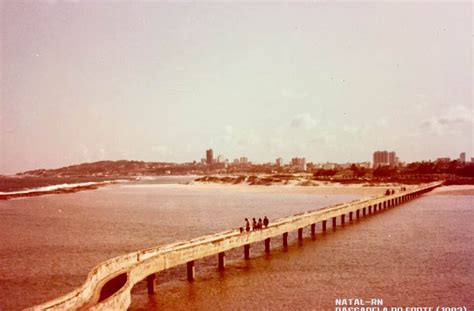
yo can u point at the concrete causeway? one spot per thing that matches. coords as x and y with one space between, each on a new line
108 286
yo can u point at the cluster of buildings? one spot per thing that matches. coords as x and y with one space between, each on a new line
382 158
461 159
296 164
210 160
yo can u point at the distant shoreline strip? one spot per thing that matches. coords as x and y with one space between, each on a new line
55 189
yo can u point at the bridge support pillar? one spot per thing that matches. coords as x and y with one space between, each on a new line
363 211
343 219
334 222
267 245
313 232
300 234
324 225
247 251
190 270
380 206
150 283
221 261
285 240
350 216
358 213
370 209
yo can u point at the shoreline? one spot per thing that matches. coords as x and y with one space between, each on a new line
273 183
300 180
68 188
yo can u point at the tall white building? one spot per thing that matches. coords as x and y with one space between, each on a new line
385 158
244 160
279 162
299 163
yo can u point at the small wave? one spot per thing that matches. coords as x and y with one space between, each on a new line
56 187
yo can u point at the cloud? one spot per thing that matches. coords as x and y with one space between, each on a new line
303 120
162 151
357 130
323 137
90 155
290 94
233 142
453 120
382 121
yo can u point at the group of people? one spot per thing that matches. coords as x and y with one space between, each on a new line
389 192
256 225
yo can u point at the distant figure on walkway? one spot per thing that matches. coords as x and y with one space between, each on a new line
265 221
260 224
393 191
254 224
247 225
387 192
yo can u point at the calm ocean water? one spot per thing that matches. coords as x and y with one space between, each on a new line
418 254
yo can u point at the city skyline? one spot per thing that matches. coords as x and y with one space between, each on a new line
380 159
83 82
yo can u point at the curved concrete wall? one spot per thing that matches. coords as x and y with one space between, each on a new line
138 265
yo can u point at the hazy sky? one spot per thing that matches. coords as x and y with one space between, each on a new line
156 81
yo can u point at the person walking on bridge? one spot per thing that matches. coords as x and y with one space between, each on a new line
247 225
254 224
265 221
